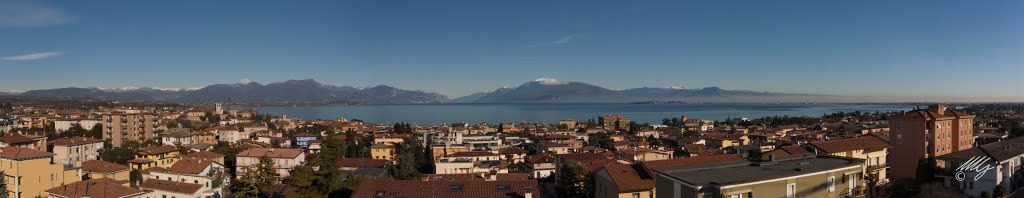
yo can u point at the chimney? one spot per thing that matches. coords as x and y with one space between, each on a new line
528 193
938 108
494 177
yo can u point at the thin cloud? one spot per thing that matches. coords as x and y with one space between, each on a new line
561 41
36 56
28 14
245 81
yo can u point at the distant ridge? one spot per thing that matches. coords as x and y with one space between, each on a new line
291 91
549 90
309 91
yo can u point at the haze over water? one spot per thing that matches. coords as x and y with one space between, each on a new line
551 113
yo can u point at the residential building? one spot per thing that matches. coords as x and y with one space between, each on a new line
637 180
284 159
194 171
873 150
207 155
1005 159
540 166
383 151
23 141
75 149
62 125
789 177
302 139
614 122
177 138
154 156
122 127
29 172
926 133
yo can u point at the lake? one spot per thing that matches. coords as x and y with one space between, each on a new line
551 113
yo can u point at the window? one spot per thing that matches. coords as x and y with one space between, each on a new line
831 182
636 195
790 190
736 196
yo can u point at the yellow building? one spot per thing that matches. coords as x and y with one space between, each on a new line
29 173
156 156
870 148
35 120
382 151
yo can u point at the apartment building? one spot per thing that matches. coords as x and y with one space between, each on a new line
789 177
873 150
383 151
123 127
154 156
1004 157
926 133
637 180
193 171
75 149
284 159
29 172
614 122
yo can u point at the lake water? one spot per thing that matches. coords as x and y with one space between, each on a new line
551 113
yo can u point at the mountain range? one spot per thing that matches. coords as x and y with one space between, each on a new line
544 90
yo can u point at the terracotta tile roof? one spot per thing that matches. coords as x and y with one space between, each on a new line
794 150
190 166
22 153
271 152
473 154
153 150
15 139
95 188
100 166
560 137
370 187
361 162
305 135
72 141
511 150
204 155
691 161
477 177
180 134
581 157
537 159
868 143
171 186
628 178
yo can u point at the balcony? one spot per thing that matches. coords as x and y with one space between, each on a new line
859 192
874 167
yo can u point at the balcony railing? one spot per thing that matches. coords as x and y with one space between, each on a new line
859 192
877 166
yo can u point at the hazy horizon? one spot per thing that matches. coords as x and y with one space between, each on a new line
868 51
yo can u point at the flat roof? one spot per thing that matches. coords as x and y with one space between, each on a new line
745 172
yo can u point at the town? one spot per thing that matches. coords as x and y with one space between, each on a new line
110 149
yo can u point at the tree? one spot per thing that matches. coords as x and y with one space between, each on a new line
573 179
926 170
871 179
3 186
96 131
258 181
998 191
119 155
135 177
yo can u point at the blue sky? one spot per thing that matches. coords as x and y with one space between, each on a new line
857 48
